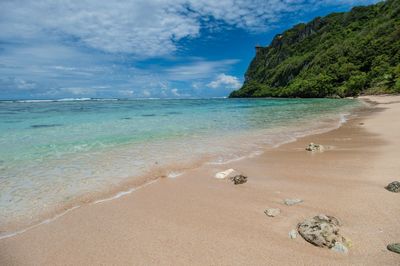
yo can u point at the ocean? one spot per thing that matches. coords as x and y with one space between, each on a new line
55 153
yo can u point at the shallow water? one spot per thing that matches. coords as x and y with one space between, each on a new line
53 152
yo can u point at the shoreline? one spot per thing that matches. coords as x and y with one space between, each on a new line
202 215
133 183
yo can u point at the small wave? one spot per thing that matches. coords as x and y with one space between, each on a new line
105 99
33 101
289 140
343 118
123 193
174 174
73 99
116 196
11 234
47 221
222 161
67 100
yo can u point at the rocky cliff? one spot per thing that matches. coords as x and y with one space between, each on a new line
342 54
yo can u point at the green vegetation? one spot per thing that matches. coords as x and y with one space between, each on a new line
342 54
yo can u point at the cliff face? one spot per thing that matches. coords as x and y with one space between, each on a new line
342 54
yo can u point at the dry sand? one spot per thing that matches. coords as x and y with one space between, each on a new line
196 219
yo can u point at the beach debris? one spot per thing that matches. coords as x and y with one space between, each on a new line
227 173
293 234
314 147
323 231
272 212
394 187
395 247
291 202
239 179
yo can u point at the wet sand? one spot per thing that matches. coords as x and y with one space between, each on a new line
199 220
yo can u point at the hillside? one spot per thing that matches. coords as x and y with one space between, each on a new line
342 54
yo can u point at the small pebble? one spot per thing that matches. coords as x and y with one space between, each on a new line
290 202
339 247
293 234
272 212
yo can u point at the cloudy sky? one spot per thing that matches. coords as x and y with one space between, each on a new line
139 48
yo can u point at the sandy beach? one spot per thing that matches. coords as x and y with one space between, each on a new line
196 219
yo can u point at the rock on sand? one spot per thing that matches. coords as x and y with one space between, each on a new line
395 247
314 147
272 212
238 179
394 187
293 234
290 202
323 231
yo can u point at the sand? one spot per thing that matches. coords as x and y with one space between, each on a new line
196 219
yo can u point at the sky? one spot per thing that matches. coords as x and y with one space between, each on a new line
140 48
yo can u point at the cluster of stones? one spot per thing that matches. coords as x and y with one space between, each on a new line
321 230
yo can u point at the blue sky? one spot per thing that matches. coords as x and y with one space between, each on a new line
139 48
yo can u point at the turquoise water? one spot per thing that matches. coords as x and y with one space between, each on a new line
53 152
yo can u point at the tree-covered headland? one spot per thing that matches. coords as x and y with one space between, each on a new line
342 54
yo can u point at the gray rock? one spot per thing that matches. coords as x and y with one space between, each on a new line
395 247
272 212
239 179
293 234
340 248
314 147
394 187
291 202
321 231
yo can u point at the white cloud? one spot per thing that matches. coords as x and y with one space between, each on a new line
198 69
175 92
144 28
225 81
196 85
126 93
146 93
